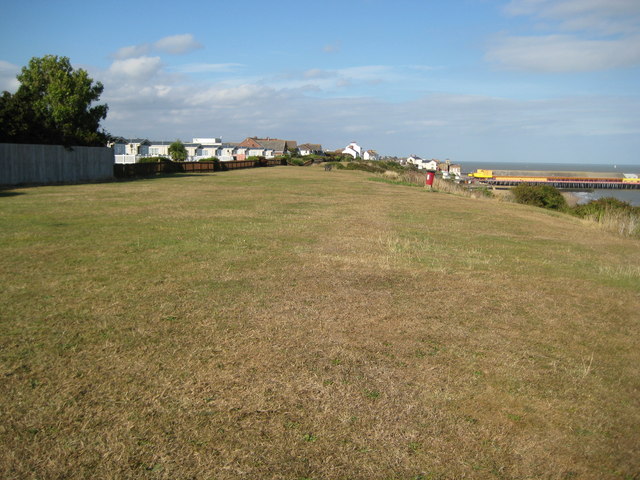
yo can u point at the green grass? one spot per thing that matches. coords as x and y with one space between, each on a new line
295 323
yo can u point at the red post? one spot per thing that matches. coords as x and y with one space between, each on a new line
428 181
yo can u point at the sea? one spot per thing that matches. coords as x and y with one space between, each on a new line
630 196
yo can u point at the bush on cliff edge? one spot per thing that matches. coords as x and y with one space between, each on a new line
544 196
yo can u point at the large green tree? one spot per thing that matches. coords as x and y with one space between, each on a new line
53 105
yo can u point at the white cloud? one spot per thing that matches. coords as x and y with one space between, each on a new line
177 44
174 45
608 16
8 72
582 35
208 67
318 73
564 53
132 51
137 69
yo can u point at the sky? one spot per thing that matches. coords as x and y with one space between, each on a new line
465 80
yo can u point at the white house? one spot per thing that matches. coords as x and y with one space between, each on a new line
159 148
421 163
260 152
129 150
371 155
192 150
353 149
310 149
227 153
207 151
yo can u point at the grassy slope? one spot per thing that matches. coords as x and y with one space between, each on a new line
291 323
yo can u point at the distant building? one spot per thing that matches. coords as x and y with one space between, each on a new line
310 149
421 163
353 149
208 141
278 146
371 155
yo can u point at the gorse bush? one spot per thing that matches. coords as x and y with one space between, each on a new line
215 160
545 196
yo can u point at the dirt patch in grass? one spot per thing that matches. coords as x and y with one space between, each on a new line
292 323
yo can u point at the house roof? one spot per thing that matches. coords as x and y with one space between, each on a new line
273 144
310 146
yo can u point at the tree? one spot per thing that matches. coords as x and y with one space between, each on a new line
177 151
53 106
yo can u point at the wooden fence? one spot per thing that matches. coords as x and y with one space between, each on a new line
146 169
50 164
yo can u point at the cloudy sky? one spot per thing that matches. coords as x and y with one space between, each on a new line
469 80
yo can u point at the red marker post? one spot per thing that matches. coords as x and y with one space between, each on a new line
428 181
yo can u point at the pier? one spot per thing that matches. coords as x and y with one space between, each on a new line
562 180
576 185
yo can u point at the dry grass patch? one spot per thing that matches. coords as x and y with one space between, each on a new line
291 323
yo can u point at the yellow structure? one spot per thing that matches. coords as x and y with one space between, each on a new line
481 173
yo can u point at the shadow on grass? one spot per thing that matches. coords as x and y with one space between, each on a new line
4 193
164 175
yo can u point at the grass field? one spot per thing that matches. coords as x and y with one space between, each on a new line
291 323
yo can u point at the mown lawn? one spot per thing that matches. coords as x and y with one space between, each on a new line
292 323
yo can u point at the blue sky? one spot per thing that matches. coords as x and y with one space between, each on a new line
469 80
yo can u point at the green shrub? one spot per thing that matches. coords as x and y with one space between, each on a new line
215 160
602 206
151 159
545 196
337 165
393 166
297 161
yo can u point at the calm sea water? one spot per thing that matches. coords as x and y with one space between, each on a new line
631 196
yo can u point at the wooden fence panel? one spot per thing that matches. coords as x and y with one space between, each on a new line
50 164
145 169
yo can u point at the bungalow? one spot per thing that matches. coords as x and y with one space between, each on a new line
278 146
310 149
